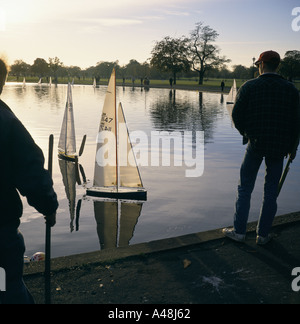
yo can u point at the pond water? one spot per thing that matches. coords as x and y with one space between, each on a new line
176 204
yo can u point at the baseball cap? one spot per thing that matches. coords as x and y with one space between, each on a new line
269 56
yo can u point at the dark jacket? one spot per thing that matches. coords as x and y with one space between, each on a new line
21 170
267 113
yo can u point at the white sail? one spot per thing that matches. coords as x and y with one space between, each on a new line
128 169
232 94
50 82
116 171
95 83
106 175
40 81
24 83
67 141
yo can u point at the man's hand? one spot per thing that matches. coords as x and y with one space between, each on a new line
51 220
293 155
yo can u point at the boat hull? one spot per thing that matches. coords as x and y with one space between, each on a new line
118 193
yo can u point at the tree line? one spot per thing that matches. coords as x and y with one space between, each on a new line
195 56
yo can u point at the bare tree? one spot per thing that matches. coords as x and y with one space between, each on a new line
203 54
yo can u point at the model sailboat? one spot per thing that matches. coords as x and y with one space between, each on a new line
119 177
67 140
232 94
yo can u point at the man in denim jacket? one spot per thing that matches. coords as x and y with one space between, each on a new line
22 171
266 113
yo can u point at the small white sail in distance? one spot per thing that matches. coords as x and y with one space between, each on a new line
67 140
232 94
115 180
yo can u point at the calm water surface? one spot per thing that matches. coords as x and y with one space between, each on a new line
176 205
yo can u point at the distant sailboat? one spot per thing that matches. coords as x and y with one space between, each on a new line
50 82
118 178
24 83
67 140
40 81
232 94
95 83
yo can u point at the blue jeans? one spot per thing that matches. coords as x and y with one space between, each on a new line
249 171
12 250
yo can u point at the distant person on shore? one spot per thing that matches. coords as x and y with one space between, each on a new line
222 86
146 82
266 113
22 170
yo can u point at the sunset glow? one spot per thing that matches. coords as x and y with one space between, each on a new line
83 33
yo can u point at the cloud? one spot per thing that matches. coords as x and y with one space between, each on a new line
109 22
176 13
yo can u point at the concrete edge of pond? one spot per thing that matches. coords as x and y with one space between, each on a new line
111 255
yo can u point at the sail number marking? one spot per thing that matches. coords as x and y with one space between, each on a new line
105 121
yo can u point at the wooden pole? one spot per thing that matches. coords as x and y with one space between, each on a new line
48 234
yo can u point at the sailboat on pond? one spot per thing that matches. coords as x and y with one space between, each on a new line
232 94
67 140
116 172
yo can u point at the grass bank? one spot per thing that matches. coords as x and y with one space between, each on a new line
186 84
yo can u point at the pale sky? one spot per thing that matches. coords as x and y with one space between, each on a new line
85 32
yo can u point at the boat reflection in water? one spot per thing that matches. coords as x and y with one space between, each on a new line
116 221
70 175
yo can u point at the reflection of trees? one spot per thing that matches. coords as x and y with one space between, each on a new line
45 92
19 92
170 113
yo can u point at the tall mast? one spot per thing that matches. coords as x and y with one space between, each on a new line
117 135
